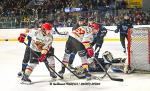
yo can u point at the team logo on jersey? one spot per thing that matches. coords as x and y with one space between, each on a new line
124 27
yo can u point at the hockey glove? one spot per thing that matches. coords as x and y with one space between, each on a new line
90 52
21 38
42 58
43 55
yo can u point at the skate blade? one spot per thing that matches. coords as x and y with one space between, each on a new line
19 76
26 83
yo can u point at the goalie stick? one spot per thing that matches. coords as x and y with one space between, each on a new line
106 73
45 62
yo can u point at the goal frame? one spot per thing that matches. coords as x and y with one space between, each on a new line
129 47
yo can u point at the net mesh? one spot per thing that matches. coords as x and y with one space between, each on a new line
139 49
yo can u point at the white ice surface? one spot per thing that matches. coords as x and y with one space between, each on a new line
11 55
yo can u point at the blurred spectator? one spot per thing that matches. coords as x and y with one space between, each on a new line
108 12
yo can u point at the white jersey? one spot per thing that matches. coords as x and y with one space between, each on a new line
37 36
82 34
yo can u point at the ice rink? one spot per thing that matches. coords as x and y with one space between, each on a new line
11 55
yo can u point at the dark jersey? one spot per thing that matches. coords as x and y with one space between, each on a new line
124 26
75 26
100 35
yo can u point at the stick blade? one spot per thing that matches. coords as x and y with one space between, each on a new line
117 79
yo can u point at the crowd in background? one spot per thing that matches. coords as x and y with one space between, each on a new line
21 13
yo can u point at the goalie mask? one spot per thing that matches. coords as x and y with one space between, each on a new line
107 56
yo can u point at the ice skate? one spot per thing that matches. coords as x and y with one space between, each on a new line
53 75
25 80
87 75
20 74
61 73
124 50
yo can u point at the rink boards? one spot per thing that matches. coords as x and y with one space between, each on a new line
12 34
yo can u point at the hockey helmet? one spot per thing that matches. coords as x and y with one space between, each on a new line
107 56
47 27
95 26
81 18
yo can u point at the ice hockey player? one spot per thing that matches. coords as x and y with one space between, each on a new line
99 39
27 50
81 22
106 61
79 40
41 45
90 21
123 28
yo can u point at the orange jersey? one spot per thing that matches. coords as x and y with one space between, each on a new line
82 34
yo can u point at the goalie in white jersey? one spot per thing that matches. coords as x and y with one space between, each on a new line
41 45
79 40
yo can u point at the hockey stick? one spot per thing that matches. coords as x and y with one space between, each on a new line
69 69
59 32
114 79
45 62
110 30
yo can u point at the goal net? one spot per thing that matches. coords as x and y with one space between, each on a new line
139 49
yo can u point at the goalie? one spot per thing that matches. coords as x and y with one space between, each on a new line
106 61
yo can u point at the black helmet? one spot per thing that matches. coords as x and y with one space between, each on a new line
81 18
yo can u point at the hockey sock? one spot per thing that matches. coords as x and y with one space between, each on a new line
29 69
72 56
24 65
66 59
